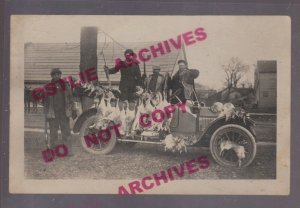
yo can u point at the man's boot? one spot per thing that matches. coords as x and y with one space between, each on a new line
69 145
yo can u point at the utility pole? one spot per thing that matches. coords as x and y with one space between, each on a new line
88 57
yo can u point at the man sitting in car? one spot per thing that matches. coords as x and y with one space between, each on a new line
182 83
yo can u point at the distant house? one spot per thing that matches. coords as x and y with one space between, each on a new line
243 97
265 85
41 57
204 94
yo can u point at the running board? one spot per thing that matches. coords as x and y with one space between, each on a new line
138 141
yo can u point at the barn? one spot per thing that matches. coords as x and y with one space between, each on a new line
41 57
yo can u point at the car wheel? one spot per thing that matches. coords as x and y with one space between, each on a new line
96 146
233 145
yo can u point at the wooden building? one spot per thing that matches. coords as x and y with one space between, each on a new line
265 85
41 57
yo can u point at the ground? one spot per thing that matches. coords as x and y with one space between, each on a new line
142 160
146 159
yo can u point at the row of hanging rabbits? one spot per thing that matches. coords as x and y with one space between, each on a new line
130 118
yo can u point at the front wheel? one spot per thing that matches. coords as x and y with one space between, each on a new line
233 145
94 144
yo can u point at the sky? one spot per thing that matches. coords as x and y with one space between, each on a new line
250 38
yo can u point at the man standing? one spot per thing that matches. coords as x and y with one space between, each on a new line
130 78
59 108
155 82
182 83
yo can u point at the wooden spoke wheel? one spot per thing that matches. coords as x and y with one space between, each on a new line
233 145
100 146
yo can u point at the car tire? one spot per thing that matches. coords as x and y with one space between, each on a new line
108 147
248 141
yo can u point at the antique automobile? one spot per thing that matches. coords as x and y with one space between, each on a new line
226 130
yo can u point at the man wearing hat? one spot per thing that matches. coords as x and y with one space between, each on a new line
182 83
130 77
155 82
59 108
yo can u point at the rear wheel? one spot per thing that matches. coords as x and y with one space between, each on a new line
97 146
233 145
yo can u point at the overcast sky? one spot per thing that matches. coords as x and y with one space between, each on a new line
249 38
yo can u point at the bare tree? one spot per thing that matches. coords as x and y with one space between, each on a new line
234 71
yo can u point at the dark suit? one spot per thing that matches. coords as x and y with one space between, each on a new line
130 79
58 109
183 81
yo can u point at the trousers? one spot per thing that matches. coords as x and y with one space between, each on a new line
61 121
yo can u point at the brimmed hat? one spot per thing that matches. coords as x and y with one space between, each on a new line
55 71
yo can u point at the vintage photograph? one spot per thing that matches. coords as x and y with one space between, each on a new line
150 104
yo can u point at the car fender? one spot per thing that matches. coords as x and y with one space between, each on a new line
88 113
214 125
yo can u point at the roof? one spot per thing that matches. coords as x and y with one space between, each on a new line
41 57
242 91
268 66
204 93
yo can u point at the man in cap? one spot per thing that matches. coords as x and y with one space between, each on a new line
182 83
59 108
155 82
130 77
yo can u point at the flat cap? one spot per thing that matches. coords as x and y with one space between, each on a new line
155 67
55 71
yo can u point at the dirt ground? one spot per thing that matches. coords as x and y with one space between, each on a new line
142 160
